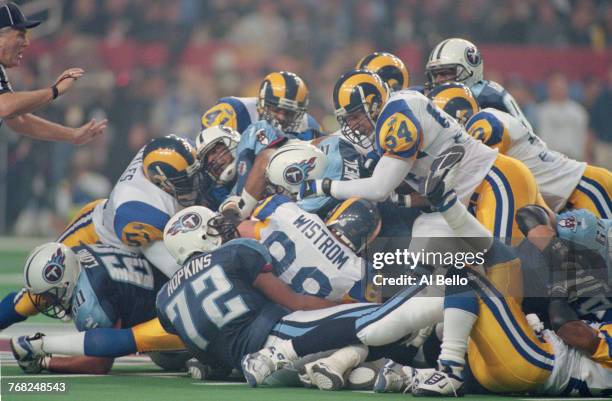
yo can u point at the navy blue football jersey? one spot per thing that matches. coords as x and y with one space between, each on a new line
212 306
113 285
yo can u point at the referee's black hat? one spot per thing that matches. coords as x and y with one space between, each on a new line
11 16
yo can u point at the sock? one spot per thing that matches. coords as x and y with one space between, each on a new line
467 227
347 358
96 342
8 314
70 344
331 334
460 314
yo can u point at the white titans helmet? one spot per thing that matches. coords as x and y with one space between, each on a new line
294 163
196 229
50 273
222 169
458 54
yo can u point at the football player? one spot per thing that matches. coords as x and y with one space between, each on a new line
92 285
409 132
163 177
282 101
458 60
504 353
563 182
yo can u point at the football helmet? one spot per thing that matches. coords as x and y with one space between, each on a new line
455 60
389 68
216 150
292 164
50 273
196 229
171 164
456 100
356 222
283 100
359 96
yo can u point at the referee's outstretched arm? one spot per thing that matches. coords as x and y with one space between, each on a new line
15 107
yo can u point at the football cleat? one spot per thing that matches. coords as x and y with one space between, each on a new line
363 376
447 381
197 370
394 378
259 365
326 377
305 374
28 352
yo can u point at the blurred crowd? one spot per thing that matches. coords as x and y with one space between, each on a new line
154 66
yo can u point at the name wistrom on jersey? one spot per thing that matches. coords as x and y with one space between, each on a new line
328 246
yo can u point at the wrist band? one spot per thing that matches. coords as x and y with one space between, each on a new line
55 92
326 186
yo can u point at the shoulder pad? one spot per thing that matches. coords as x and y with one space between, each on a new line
398 131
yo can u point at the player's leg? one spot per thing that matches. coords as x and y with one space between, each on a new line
593 192
398 318
508 186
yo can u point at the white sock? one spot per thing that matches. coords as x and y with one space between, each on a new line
70 344
458 325
467 227
347 358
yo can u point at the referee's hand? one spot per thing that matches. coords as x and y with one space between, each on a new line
89 131
67 78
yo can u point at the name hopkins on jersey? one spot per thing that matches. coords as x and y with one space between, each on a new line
314 232
194 266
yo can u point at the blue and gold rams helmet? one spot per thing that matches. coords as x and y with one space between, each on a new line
283 100
389 68
456 100
171 164
359 96
356 222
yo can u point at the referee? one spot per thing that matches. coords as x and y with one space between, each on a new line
16 107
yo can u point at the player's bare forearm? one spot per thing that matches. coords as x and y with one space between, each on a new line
13 104
39 128
80 364
580 335
280 293
256 181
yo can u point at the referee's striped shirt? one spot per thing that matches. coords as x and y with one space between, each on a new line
5 85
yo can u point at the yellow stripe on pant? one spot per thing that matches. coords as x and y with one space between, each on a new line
504 354
593 192
507 187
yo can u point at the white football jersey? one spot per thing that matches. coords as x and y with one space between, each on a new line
306 255
556 174
412 127
574 372
136 211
